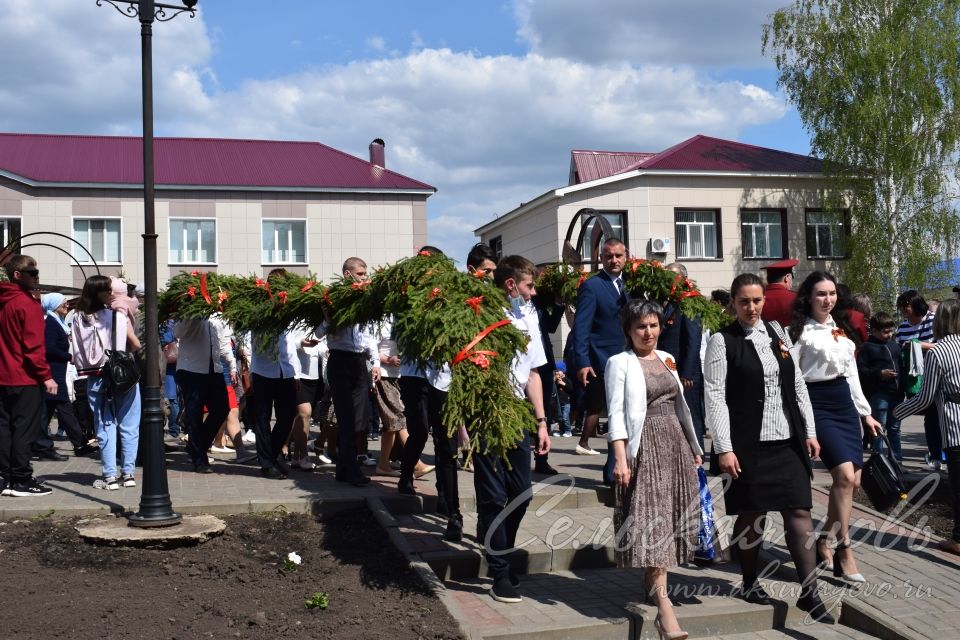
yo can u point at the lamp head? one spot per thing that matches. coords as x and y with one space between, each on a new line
189 4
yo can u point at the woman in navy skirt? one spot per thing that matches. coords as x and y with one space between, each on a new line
825 349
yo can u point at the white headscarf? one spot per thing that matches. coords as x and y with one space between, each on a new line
50 302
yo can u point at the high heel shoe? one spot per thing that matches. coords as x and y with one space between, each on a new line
838 568
823 561
668 635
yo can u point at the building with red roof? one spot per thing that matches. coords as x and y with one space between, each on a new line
234 206
720 207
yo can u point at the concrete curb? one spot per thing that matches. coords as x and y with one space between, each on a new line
862 616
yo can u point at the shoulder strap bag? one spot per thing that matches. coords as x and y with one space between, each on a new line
882 479
120 373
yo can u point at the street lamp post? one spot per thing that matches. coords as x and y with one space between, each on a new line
156 510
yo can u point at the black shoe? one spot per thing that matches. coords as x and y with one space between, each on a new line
4 488
359 480
754 593
272 473
405 487
202 468
543 468
85 450
503 591
454 532
29 489
514 580
50 454
283 465
812 604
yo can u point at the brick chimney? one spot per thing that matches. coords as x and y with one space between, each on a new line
377 154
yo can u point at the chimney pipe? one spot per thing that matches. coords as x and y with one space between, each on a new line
377 153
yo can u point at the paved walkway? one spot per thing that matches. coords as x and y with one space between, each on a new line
913 589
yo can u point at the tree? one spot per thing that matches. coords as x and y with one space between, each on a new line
876 84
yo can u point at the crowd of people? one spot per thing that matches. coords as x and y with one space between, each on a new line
795 377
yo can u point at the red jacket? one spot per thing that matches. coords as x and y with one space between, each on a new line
23 353
778 304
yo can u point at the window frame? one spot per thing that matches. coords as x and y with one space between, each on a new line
718 226
784 235
306 242
82 257
216 241
4 219
496 245
624 235
845 213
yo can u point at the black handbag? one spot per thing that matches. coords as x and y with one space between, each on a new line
120 373
882 479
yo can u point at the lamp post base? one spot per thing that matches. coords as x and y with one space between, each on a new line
155 507
143 522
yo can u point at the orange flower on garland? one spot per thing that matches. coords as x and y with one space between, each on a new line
475 303
195 273
222 297
434 293
192 292
357 286
480 274
283 297
670 364
480 360
307 286
583 277
837 334
326 297
260 283
425 254
203 289
656 263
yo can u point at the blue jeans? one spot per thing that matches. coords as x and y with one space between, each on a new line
565 426
883 404
172 393
121 415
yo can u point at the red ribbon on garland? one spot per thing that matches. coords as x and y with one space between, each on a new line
465 352
203 288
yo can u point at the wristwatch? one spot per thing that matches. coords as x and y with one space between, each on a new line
543 420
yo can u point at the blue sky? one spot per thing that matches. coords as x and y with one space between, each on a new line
483 100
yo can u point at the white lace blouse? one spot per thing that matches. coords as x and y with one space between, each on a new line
826 353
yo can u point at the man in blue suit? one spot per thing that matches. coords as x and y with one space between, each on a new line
597 337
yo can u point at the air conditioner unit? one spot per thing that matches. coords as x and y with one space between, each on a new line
660 245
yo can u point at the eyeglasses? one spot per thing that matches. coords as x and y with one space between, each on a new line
32 272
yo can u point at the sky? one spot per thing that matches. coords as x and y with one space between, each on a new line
484 100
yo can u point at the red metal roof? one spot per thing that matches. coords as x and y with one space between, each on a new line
586 166
703 153
211 162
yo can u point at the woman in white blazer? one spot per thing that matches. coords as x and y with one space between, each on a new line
656 513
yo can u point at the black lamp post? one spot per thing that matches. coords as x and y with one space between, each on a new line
156 510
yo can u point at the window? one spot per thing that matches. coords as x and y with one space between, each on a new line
762 233
826 234
193 241
100 237
697 237
284 242
496 244
9 230
618 225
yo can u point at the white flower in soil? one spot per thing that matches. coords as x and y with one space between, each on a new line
294 557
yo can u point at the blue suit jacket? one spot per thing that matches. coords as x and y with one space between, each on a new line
596 327
680 337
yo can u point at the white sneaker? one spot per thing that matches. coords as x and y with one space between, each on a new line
930 463
324 458
219 450
366 461
304 464
110 483
249 437
128 480
585 451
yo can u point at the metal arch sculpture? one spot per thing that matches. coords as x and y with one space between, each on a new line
5 253
573 254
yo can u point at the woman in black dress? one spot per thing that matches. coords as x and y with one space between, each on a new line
763 439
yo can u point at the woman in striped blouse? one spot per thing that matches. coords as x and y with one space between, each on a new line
941 386
763 439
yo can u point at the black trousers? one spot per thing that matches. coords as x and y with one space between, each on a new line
547 384
21 411
66 419
503 494
422 406
199 390
350 385
270 395
953 469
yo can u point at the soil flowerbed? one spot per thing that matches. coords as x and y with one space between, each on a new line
234 586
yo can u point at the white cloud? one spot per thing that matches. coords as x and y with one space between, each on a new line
713 33
487 131
377 43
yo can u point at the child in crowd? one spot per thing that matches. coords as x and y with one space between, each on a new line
563 399
879 366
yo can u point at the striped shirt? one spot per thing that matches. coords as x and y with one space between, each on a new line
941 385
922 331
775 424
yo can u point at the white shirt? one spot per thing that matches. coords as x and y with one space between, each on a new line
203 340
386 347
309 357
353 339
278 360
824 355
529 324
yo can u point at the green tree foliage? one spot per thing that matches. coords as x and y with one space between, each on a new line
876 83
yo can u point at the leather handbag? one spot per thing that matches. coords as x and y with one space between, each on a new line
120 373
882 478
